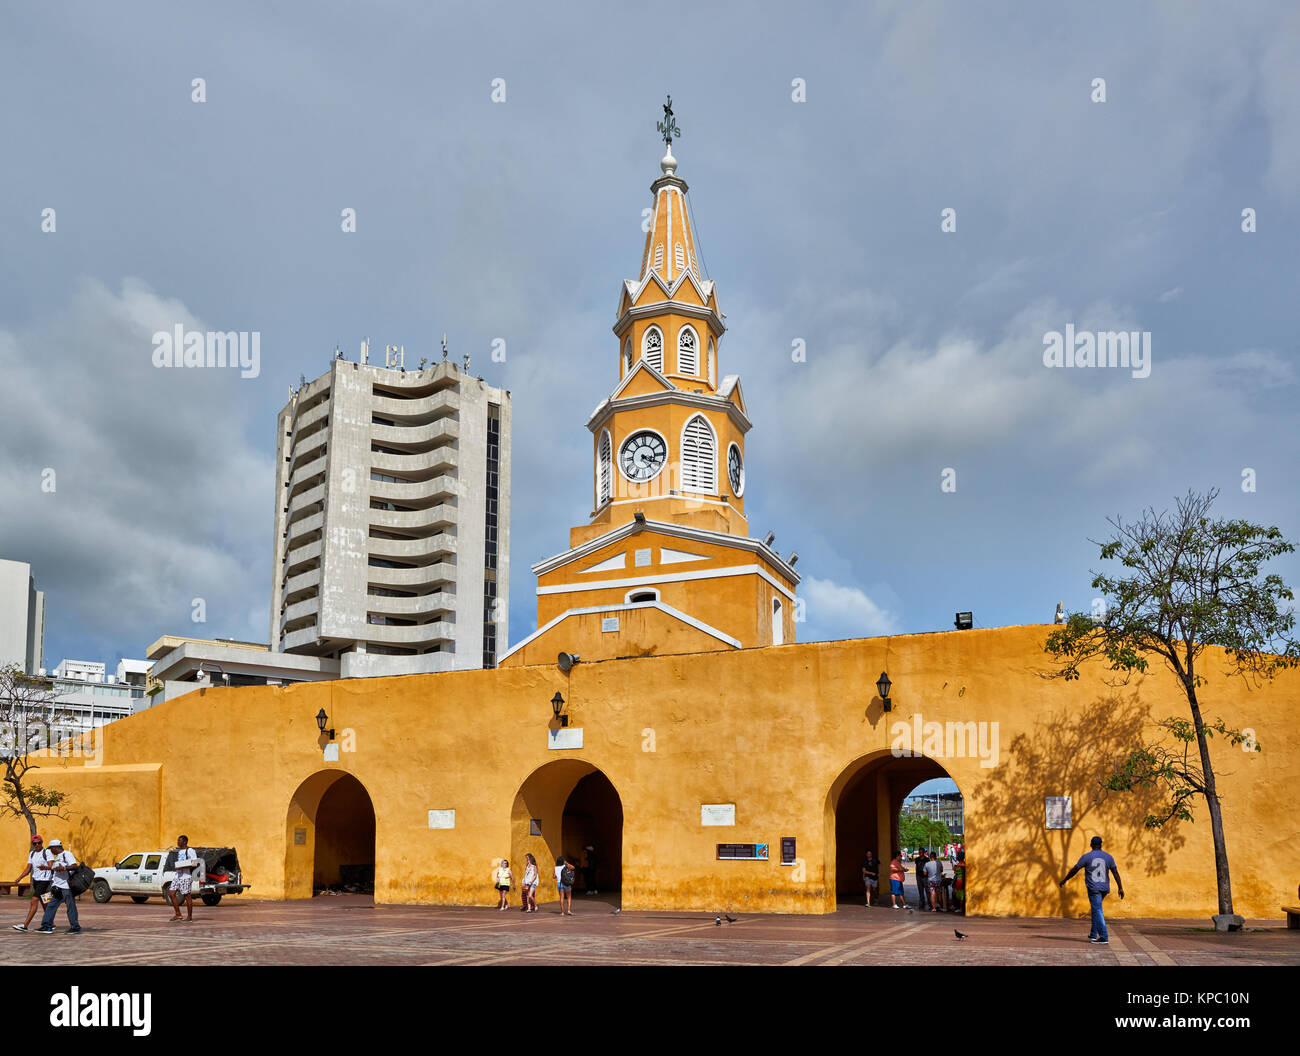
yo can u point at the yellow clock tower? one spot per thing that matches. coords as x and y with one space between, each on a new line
666 563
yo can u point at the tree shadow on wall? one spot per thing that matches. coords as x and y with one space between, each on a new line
1069 754
92 844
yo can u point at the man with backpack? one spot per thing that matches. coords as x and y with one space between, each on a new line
568 877
61 863
41 877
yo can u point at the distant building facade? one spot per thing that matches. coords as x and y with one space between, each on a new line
946 807
177 666
22 618
392 514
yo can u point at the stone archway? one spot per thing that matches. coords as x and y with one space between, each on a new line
563 808
330 836
862 809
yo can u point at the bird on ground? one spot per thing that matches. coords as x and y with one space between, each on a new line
729 920
617 912
960 935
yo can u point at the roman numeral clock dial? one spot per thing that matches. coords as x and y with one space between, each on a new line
642 456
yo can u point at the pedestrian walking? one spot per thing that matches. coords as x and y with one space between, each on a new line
505 882
870 874
959 884
934 880
528 889
41 877
60 862
896 875
559 891
568 877
1097 866
187 862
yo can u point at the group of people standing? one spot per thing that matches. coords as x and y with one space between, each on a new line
566 878
49 869
936 892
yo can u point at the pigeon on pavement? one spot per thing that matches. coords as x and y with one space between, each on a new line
960 935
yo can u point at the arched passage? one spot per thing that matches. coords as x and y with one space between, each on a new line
862 810
565 808
330 836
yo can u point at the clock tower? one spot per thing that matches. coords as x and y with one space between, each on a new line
665 563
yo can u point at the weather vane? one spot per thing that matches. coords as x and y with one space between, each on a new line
668 126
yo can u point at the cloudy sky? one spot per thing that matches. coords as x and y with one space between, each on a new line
822 144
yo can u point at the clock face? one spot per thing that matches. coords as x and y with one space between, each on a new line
642 455
736 470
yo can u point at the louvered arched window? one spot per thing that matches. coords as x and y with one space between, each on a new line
699 456
688 354
604 470
652 347
627 357
680 258
659 256
713 364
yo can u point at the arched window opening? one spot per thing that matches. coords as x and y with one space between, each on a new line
699 456
688 359
604 470
652 348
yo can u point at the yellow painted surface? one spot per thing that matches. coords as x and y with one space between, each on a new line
780 732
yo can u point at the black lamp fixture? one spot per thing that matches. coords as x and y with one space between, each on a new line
557 705
321 720
883 686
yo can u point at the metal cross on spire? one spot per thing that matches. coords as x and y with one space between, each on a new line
668 126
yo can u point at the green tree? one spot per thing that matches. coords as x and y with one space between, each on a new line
29 719
1189 582
917 831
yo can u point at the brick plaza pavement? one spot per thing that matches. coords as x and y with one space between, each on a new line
351 930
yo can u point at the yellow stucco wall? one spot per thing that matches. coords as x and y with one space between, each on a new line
776 731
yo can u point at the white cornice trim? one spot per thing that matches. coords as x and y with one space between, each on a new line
703 401
666 577
676 614
709 314
675 531
703 499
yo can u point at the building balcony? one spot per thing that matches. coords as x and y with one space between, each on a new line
296 586
419 410
417 438
411 578
418 522
297 559
421 635
305 526
422 464
420 551
422 494
306 502
425 605
295 615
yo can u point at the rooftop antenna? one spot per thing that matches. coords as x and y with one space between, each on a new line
365 350
466 362
444 346
337 353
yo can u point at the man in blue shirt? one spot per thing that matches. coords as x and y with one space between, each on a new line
1097 866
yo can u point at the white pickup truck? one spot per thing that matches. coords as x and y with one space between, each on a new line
149 874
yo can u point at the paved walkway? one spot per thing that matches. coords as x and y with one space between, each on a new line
350 930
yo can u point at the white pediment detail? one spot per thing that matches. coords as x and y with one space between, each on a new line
609 564
676 557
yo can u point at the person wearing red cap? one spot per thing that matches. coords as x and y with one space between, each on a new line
42 874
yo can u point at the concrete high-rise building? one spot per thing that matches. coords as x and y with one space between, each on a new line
392 518
22 618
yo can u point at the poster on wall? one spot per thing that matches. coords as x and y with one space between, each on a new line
1058 812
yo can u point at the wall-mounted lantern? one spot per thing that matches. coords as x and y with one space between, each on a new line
883 686
321 720
557 705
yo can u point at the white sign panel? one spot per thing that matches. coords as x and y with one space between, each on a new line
609 623
332 752
442 819
564 738
1058 812
717 813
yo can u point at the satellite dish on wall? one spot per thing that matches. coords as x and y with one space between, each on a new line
567 660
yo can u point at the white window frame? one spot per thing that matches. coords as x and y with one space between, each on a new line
627 598
694 372
705 481
604 456
627 358
778 624
645 347
713 364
